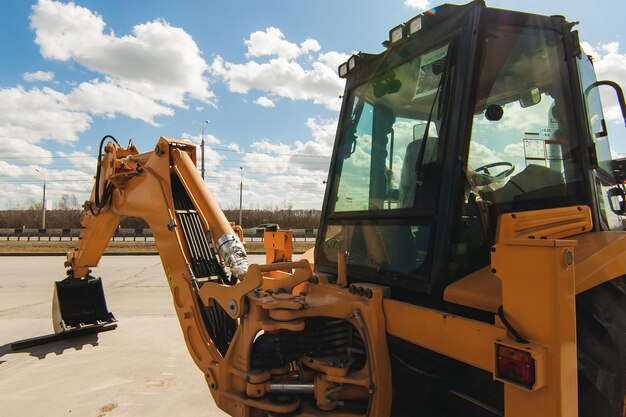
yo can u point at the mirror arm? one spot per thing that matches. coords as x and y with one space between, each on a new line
618 91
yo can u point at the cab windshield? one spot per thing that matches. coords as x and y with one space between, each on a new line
385 183
391 138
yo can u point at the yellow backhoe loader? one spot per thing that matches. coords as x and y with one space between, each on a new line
471 254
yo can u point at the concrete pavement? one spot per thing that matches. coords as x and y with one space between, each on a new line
140 369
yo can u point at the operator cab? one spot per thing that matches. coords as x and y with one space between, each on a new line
445 131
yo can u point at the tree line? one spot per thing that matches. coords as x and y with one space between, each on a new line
67 213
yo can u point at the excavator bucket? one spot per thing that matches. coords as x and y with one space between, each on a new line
78 307
79 304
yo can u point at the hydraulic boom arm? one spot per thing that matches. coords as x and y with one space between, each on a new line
261 347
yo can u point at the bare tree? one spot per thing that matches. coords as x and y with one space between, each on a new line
68 211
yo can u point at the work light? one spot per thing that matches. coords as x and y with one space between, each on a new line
415 25
343 70
396 34
352 62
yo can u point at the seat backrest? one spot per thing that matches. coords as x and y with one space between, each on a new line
408 176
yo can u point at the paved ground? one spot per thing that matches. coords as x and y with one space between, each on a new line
140 369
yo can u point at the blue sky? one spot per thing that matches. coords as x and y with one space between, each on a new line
263 73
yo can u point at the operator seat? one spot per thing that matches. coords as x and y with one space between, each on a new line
408 176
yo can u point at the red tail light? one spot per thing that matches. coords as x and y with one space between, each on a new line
515 365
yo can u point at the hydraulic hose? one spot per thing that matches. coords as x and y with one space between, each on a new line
108 189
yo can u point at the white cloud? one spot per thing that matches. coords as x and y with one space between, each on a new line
233 147
609 64
273 42
83 161
197 139
264 102
157 61
22 183
514 149
283 78
312 158
333 59
516 116
21 151
306 159
323 131
37 114
417 4
299 169
282 75
32 77
109 97
480 155
266 146
261 163
18 171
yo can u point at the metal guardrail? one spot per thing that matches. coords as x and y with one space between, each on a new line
122 234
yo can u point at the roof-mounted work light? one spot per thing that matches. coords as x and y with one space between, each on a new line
415 25
352 62
343 70
396 34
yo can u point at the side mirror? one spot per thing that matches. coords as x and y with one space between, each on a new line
617 201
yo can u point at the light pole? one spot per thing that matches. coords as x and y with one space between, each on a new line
240 193
202 147
43 201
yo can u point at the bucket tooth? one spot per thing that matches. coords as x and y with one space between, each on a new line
79 303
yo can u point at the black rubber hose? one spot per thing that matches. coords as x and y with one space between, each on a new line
101 202
518 337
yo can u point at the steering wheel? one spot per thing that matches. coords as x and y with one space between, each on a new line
500 176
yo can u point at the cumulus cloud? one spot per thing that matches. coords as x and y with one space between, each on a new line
22 183
197 139
28 118
266 146
273 173
283 75
323 131
32 77
261 163
333 59
109 97
313 156
480 155
309 158
19 150
514 149
417 4
82 161
158 61
264 102
37 114
283 78
273 42
609 64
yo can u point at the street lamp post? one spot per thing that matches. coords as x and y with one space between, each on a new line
43 201
202 147
240 193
